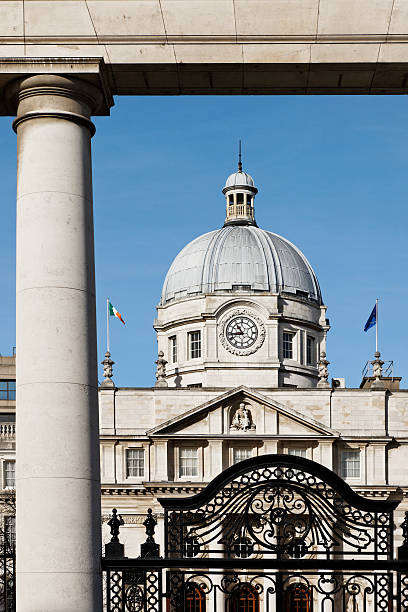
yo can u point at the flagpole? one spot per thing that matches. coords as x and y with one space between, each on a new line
376 325
107 325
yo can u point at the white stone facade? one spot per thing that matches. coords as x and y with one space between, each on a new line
218 366
321 424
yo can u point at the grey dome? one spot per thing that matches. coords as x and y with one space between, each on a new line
239 179
237 258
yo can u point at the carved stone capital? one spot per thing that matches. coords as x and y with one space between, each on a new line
82 79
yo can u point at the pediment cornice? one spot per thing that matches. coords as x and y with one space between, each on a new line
171 426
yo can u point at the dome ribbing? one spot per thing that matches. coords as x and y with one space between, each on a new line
240 258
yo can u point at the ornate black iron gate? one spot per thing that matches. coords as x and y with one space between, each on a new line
7 575
273 533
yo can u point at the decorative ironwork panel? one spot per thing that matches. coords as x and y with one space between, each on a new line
403 592
282 506
134 590
114 591
7 577
277 591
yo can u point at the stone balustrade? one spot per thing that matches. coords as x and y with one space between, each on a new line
7 431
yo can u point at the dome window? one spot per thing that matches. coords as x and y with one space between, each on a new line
194 341
173 348
288 345
303 294
241 287
310 350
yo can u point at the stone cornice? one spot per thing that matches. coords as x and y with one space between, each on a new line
154 488
314 40
189 488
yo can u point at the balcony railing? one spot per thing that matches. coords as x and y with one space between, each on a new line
387 369
7 431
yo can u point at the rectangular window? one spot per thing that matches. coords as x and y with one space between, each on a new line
297 452
7 390
287 345
10 530
310 351
195 344
188 464
350 464
135 462
9 471
241 453
173 348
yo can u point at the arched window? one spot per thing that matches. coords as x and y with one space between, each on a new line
194 598
297 598
243 599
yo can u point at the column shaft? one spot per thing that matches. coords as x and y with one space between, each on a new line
58 477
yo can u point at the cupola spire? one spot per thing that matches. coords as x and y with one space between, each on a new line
239 158
240 193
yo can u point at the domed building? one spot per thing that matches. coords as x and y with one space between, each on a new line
241 372
241 304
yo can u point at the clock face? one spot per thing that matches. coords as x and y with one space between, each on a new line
241 332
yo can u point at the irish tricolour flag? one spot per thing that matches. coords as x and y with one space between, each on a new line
114 313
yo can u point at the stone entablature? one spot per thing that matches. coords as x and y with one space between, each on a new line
250 46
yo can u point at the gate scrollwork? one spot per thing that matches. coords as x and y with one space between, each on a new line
280 505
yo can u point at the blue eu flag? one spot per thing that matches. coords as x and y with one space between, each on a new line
372 319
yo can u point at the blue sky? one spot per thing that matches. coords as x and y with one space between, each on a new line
331 174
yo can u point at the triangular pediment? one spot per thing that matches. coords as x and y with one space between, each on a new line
242 412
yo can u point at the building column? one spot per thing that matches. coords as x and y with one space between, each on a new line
58 475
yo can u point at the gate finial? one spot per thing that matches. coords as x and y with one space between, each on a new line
150 548
114 548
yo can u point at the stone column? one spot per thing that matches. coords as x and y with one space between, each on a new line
58 476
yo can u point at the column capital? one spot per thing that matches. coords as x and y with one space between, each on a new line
83 79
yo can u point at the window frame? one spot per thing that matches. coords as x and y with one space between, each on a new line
139 449
5 471
343 465
191 341
240 448
297 451
310 351
173 348
198 450
9 390
287 332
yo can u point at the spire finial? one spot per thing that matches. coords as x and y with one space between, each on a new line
239 158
